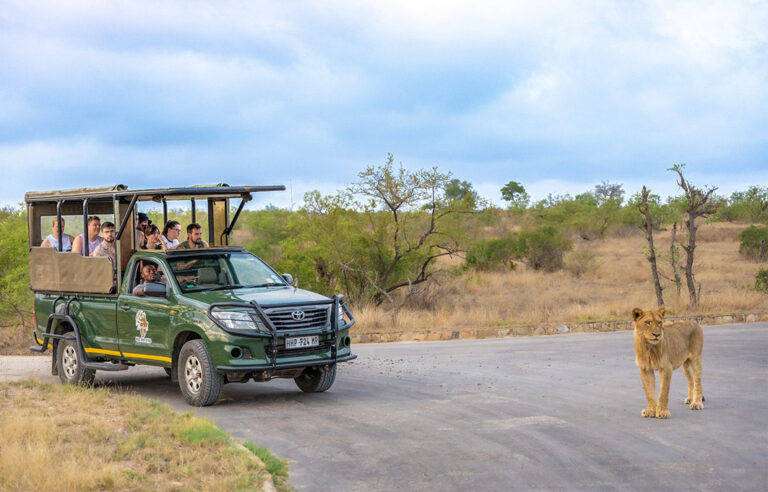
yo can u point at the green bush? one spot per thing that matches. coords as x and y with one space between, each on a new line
761 281
490 255
754 243
543 248
15 296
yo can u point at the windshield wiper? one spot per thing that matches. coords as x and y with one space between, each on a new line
255 286
221 287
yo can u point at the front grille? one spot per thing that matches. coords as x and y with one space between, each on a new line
314 317
324 347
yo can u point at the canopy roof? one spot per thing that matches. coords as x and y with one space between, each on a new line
156 194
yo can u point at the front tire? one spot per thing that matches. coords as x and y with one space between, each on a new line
71 369
314 380
200 384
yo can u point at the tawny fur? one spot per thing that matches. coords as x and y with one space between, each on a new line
665 347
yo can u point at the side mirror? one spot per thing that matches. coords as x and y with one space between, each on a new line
154 290
288 278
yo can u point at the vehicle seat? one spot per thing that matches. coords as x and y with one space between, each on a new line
207 275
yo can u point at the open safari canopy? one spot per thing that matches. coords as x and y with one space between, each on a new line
60 272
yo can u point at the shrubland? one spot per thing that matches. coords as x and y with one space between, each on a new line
421 249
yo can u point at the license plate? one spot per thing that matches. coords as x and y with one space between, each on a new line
301 342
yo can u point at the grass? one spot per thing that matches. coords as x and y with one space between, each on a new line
616 279
15 339
55 437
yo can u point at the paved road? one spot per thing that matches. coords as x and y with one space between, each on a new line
558 412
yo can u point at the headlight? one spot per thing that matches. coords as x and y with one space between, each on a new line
341 316
236 320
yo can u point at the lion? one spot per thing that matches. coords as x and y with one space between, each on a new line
141 323
664 348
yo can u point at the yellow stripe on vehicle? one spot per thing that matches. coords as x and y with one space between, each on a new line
102 351
149 357
40 342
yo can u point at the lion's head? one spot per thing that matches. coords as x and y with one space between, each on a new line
648 324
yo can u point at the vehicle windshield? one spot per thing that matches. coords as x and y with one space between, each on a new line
223 271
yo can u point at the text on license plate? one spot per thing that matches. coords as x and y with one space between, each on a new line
301 342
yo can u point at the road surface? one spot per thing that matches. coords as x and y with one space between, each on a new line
555 412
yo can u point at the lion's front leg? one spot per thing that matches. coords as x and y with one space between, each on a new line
649 385
662 410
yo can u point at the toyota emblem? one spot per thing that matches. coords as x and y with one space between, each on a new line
297 315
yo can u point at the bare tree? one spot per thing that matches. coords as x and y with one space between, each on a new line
648 228
674 257
698 203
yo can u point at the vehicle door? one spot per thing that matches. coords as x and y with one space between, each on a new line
96 318
143 322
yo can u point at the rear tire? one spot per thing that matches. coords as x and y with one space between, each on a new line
70 367
314 380
200 384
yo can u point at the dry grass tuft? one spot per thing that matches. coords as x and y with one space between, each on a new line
56 437
603 281
15 339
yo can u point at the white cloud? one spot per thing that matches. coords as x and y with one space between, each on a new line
562 89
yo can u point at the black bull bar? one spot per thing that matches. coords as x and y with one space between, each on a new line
336 302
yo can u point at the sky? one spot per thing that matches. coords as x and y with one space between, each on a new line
558 96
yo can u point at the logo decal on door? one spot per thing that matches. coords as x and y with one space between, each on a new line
142 326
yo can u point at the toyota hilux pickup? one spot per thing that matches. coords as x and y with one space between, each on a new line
208 317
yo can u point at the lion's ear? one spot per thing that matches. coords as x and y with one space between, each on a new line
661 311
636 313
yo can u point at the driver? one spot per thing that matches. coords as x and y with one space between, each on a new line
148 276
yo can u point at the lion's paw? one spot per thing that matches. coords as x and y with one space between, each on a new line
697 406
648 412
688 400
663 413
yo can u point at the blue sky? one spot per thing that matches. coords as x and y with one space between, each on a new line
556 95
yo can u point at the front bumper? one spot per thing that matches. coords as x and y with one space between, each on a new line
288 365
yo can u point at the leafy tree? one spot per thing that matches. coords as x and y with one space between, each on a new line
381 234
609 198
495 253
606 192
456 190
408 242
543 248
514 193
754 243
15 297
750 205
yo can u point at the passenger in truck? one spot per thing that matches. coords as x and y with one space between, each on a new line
171 233
52 240
94 227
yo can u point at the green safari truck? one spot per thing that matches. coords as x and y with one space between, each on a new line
211 316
